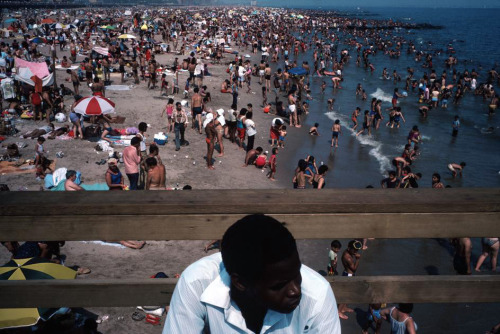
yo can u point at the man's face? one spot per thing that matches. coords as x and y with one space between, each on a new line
279 288
352 251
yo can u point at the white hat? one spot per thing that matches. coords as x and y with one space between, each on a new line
208 119
220 112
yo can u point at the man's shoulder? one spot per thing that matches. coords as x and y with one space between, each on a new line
206 268
313 284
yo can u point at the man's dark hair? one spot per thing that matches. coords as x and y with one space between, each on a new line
153 149
70 173
134 141
143 126
151 162
254 242
405 307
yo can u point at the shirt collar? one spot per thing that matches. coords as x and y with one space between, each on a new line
218 295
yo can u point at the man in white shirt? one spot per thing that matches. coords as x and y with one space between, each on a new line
256 285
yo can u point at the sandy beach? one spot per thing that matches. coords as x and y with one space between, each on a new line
184 167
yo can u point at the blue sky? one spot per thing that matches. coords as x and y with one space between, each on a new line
385 3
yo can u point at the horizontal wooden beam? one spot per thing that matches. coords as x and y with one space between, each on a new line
356 290
276 201
212 226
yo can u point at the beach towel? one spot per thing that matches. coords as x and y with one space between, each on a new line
87 187
104 243
118 87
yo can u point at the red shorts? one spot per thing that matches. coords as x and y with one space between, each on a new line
274 134
241 133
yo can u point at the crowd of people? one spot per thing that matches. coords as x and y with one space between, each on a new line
274 39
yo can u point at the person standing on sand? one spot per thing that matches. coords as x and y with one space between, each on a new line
292 108
196 109
132 159
180 122
211 133
250 130
272 164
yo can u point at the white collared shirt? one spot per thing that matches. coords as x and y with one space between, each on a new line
201 304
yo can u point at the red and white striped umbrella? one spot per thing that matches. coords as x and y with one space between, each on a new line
94 106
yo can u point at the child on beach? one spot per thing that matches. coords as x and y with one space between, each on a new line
305 107
164 85
281 138
336 131
363 95
332 257
39 151
366 119
313 131
354 118
272 164
264 96
330 103
169 110
456 169
175 84
374 316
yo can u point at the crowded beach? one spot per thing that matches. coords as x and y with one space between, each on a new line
174 99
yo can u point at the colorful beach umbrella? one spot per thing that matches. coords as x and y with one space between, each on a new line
38 40
127 36
48 21
94 106
28 269
10 20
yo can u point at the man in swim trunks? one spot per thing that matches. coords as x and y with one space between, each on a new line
350 261
252 156
74 80
155 179
196 109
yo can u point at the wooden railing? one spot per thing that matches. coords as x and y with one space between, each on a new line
205 215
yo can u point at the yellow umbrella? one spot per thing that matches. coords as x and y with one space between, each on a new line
127 36
144 27
27 269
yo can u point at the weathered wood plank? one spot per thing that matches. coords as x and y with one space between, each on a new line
286 201
206 227
133 292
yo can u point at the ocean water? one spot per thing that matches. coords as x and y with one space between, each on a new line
364 160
